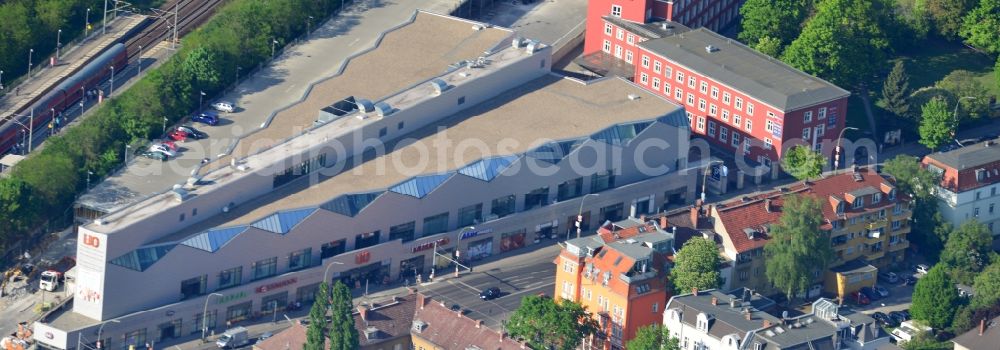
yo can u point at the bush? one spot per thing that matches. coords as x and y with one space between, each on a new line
239 35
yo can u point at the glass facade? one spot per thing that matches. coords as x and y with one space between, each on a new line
405 232
435 224
264 268
231 277
503 206
470 215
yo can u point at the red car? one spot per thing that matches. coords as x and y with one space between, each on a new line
860 298
177 135
170 145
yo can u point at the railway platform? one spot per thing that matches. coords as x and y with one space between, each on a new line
46 76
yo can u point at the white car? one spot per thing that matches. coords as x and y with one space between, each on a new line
162 149
223 106
922 269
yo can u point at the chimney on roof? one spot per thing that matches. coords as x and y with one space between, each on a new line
747 315
458 312
732 302
479 323
411 290
694 291
982 327
663 222
421 301
767 323
767 205
715 301
694 216
363 311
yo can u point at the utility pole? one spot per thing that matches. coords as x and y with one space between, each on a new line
58 43
104 26
30 52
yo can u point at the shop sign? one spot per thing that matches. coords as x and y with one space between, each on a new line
92 241
428 245
470 234
231 297
276 285
362 257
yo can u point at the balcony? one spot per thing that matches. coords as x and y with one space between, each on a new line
899 245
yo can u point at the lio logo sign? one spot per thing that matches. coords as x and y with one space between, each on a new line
91 241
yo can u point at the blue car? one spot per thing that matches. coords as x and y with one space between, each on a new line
207 118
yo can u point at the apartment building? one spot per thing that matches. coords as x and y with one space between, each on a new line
741 320
736 97
619 275
248 238
970 184
867 220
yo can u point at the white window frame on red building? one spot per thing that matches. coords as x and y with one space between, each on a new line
704 87
739 104
711 128
607 46
701 124
690 99
737 121
749 125
701 104
723 133
680 78
807 116
608 29
657 67
821 114
692 82
628 56
726 97
644 78
725 115
630 39
715 93
620 34
656 83
749 108
735 139
616 10
713 110
645 61
806 133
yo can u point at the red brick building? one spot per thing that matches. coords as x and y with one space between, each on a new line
731 92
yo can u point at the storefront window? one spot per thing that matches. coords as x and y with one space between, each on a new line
273 303
503 206
307 293
265 268
300 259
239 312
512 240
209 320
480 249
470 215
404 232
135 338
570 189
602 181
333 248
194 286
612 213
230 278
536 198
435 224
367 239
169 330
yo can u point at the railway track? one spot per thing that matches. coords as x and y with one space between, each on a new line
191 14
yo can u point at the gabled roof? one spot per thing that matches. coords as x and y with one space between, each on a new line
351 204
142 258
420 186
488 168
555 151
213 240
621 134
283 221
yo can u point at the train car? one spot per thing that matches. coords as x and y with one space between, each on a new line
64 95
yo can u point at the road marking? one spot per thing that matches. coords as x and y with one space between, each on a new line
466 285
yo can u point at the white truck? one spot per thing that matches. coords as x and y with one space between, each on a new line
50 280
233 338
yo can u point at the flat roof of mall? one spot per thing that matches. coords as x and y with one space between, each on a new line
548 108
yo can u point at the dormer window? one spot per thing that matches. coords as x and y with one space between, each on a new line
876 198
616 10
840 207
892 195
859 203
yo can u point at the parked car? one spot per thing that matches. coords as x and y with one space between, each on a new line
906 313
870 293
490 293
223 106
884 319
169 145
153 155
888 277
192 132
264 336
860 298
162 148
921 268
207 117
897 316
882 291
909 280
177 135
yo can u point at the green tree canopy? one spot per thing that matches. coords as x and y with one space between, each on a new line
797 247
653 337
926 341
929 229
845 42
913 14
987 286
911 178
980 26
896 89
343 335
803 163
776 19
315 333
770 46
972 96
947 15
544 324
935 298
696 266
967 251
937 125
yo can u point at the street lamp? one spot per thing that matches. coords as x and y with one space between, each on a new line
58 42
579 215
836 157
86 19
204 315
104 26
326 273
459 240
954 116
1 80
126 154
88 178
309 26
273 42
201 96
30 51
100 331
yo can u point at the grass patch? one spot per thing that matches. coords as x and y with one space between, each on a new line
935 58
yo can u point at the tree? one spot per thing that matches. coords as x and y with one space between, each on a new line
696 266
913 15
845 42
937 125
896 89
996 72
987 286
201 68
935 298
343 335
929 229
926 341
777 19
770 46
947 15
315 334
653 337
980 26
911 178
803 163
959 86
797 247
967 251
546 324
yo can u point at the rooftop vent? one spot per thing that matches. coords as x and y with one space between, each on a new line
193 181
633 97
383 109
99 222
981 175
517 42
371 333
439 86
666 26
365 105
711 49
180 194
533 45
419 326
